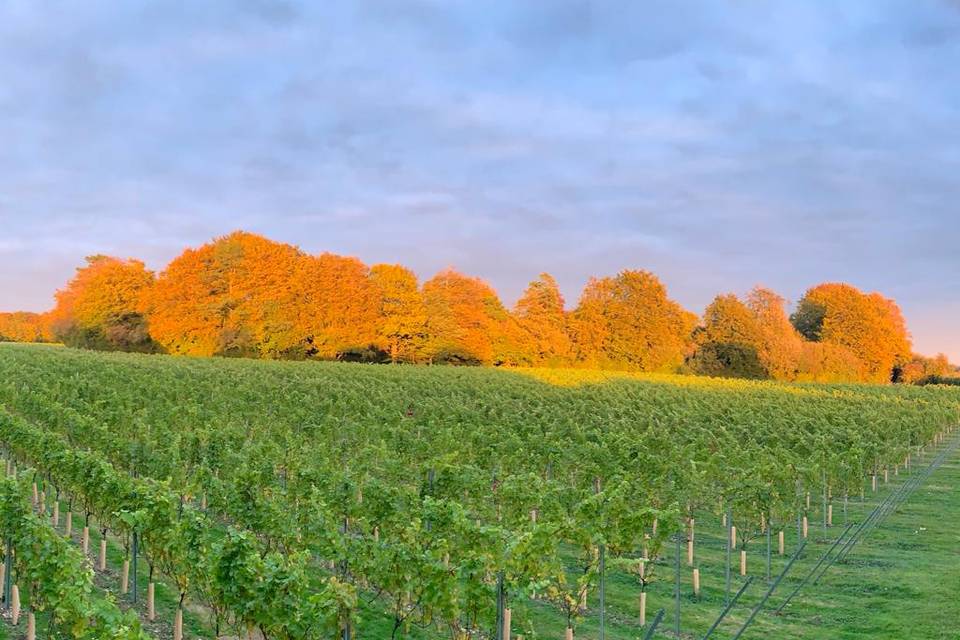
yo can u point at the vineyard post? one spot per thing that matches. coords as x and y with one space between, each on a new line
726 599
603 584
769 527
500 605
7 572
134 551
824 500
676 588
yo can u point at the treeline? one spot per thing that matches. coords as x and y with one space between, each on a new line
244 295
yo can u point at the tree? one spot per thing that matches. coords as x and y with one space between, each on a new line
629 322
338 309
827 362
233 296
24 326
729 342
466 322
402 316
543 322
100 307
921 368
870 326
781 344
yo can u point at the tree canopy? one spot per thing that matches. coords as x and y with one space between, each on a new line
246 295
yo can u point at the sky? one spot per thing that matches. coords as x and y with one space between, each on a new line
718 144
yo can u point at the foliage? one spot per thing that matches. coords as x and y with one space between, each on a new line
100 306
870 326
629 322
243 295
414 487
55 575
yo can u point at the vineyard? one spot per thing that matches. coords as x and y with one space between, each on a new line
150 496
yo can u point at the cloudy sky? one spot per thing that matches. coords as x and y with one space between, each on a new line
718 144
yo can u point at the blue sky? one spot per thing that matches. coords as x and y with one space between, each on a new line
718 144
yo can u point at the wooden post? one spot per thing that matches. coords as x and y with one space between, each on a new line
151 612
743 562
125 576
178 625
15 605
506 624
780 542
696 582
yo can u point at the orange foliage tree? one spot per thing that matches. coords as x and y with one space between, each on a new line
747 339
729 341
545 339
229 297
467 323
100 307
629 322
401 327
337 308
25 326
868 325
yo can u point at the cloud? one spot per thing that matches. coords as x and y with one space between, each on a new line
716 144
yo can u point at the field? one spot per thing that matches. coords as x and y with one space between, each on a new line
327 500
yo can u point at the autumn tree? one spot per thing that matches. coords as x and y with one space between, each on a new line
543 323
401 326
629 322
338 308
922 369
729 341
234 296
781 345
870 326
466 322
828 362
25 326
100 308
